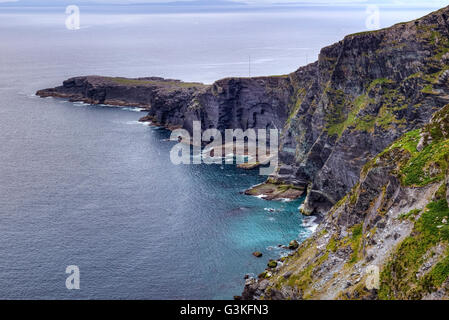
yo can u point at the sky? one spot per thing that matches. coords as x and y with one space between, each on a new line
408 3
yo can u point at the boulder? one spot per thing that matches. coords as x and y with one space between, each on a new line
293 245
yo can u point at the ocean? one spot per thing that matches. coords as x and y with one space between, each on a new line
91 186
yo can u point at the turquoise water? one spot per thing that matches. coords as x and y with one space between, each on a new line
90 186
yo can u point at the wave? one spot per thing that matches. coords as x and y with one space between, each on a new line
272 210
80 103
102 105
133 109
145 124
309 223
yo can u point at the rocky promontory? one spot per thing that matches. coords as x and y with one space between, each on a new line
258 103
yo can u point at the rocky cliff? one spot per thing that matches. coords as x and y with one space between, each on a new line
369 89
227 104
341 118
335 114
395 219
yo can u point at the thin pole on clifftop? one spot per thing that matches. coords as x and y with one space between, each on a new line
249 66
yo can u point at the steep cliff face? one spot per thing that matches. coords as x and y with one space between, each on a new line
166 97
395 219
260 103
369 89
335 114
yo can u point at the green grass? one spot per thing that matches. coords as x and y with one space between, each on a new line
299 96
340 122
380 81
437 275
408 142
356 241
417 172
126 81
420 168
398 278
332 245
428 89
343 111
441 192
410 215
336 114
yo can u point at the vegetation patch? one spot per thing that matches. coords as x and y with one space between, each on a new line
336 114
410 215
300 94
426 166
163 83
399 277
356 241
420 168
344 112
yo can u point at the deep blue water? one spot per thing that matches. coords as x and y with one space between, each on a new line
90 186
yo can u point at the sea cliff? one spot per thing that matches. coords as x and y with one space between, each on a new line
363 129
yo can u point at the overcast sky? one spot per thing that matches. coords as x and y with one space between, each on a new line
438 3
421 3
